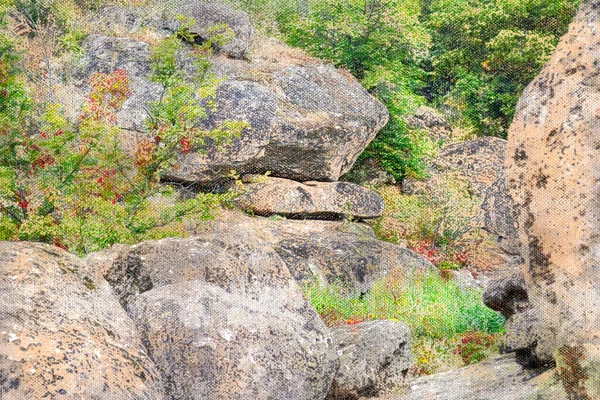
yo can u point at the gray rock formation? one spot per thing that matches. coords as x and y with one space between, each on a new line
431 122
321 200
207 15
216 345
222 317
345 253
497 379
479 163
307 121
63 333
375 357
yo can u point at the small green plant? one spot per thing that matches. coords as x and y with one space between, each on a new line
474 346
435 223
446 265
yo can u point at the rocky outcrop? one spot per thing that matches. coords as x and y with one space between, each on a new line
431 122
222 317
63 333
321 200
478 165
307 121
326 252
375 357
552 174
498 379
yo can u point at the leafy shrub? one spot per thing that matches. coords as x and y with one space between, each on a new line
74 185
473 346
35 12
435 223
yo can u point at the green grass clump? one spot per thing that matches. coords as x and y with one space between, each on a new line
432 306
440 314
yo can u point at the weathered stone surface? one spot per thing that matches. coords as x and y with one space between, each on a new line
507 294
237 262
375 357
327 252
480 161
307 121
215 345
322 200
222 317
207 15
160 20
63 334
552 173
480 164
369 174
498 379
431 122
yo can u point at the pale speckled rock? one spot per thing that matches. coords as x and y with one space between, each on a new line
497 379
329 251
318 200
215 345
307 120
184 293
552 173
63 333
375 357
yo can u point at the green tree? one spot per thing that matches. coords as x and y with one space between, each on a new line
484 53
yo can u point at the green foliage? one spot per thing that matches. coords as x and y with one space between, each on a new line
485 53
437 311
36 12
175 119
360 35
474 57
432 306
74 185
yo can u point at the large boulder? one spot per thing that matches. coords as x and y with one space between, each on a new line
215 345
222 317
306 120
375 357
63 334
552 173
327 252
324 200
497 379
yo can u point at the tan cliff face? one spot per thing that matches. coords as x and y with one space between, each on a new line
553 174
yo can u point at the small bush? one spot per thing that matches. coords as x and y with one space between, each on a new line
434 224
73 185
